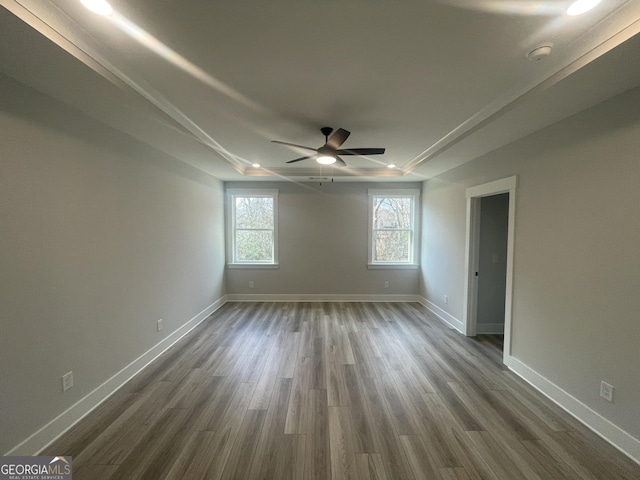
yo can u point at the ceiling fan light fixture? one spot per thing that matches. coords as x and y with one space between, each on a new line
326 159
330 152
581 6
101 7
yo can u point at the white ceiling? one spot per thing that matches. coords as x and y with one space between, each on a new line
437 83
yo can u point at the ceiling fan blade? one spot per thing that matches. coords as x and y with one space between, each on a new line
341 161
338 138
361 151
301 158
292 145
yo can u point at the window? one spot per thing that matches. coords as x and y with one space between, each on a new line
252 237
392 227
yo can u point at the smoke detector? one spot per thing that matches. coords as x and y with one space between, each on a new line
540 52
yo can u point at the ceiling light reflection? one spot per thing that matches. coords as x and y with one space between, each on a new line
581 6
101 7
143 37
510 7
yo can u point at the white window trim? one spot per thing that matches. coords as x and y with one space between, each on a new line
231 193
399 192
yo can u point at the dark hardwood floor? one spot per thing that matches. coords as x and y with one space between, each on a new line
333 391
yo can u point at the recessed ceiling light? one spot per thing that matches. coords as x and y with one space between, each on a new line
101 7
581 6
255 165
391 165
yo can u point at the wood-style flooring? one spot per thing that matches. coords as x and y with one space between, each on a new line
333 391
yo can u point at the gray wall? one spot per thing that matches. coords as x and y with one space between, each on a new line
492 265
322 244
577 251
100 237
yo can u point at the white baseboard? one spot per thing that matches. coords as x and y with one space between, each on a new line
489 328
613 434
311 297
35 443
447 318
63 422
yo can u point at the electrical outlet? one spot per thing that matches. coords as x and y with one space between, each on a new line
386 284
67 381
251 284
606 391
446 299
159 324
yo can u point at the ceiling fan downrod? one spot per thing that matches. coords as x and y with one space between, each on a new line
326 131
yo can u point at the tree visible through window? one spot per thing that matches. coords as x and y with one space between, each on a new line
253 226
393 226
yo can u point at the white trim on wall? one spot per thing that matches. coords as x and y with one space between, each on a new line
446 317
613 434
230 225
627 444
310 297
474 194
39 440
414 254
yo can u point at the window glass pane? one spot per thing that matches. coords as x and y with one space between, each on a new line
254 212
391 246
392 212
254 245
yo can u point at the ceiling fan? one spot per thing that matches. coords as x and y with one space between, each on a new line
328 153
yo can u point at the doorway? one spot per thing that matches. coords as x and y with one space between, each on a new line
489 259
492 264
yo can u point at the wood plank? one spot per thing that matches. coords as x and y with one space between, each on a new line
288 354
299 398
317 455
435 422
240 458
337 389
453 474
156 451
370 466
359 410
498 460
116 441
386 439
342 445
93 472
267 380
265 460
417 457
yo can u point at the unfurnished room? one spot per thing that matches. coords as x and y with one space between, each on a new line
341 239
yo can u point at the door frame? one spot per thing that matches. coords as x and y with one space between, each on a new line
472 249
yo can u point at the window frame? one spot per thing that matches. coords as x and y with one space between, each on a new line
414 195
232 194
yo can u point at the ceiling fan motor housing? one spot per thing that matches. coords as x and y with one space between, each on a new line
325 150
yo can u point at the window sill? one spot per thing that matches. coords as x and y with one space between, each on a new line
259 266
393 266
